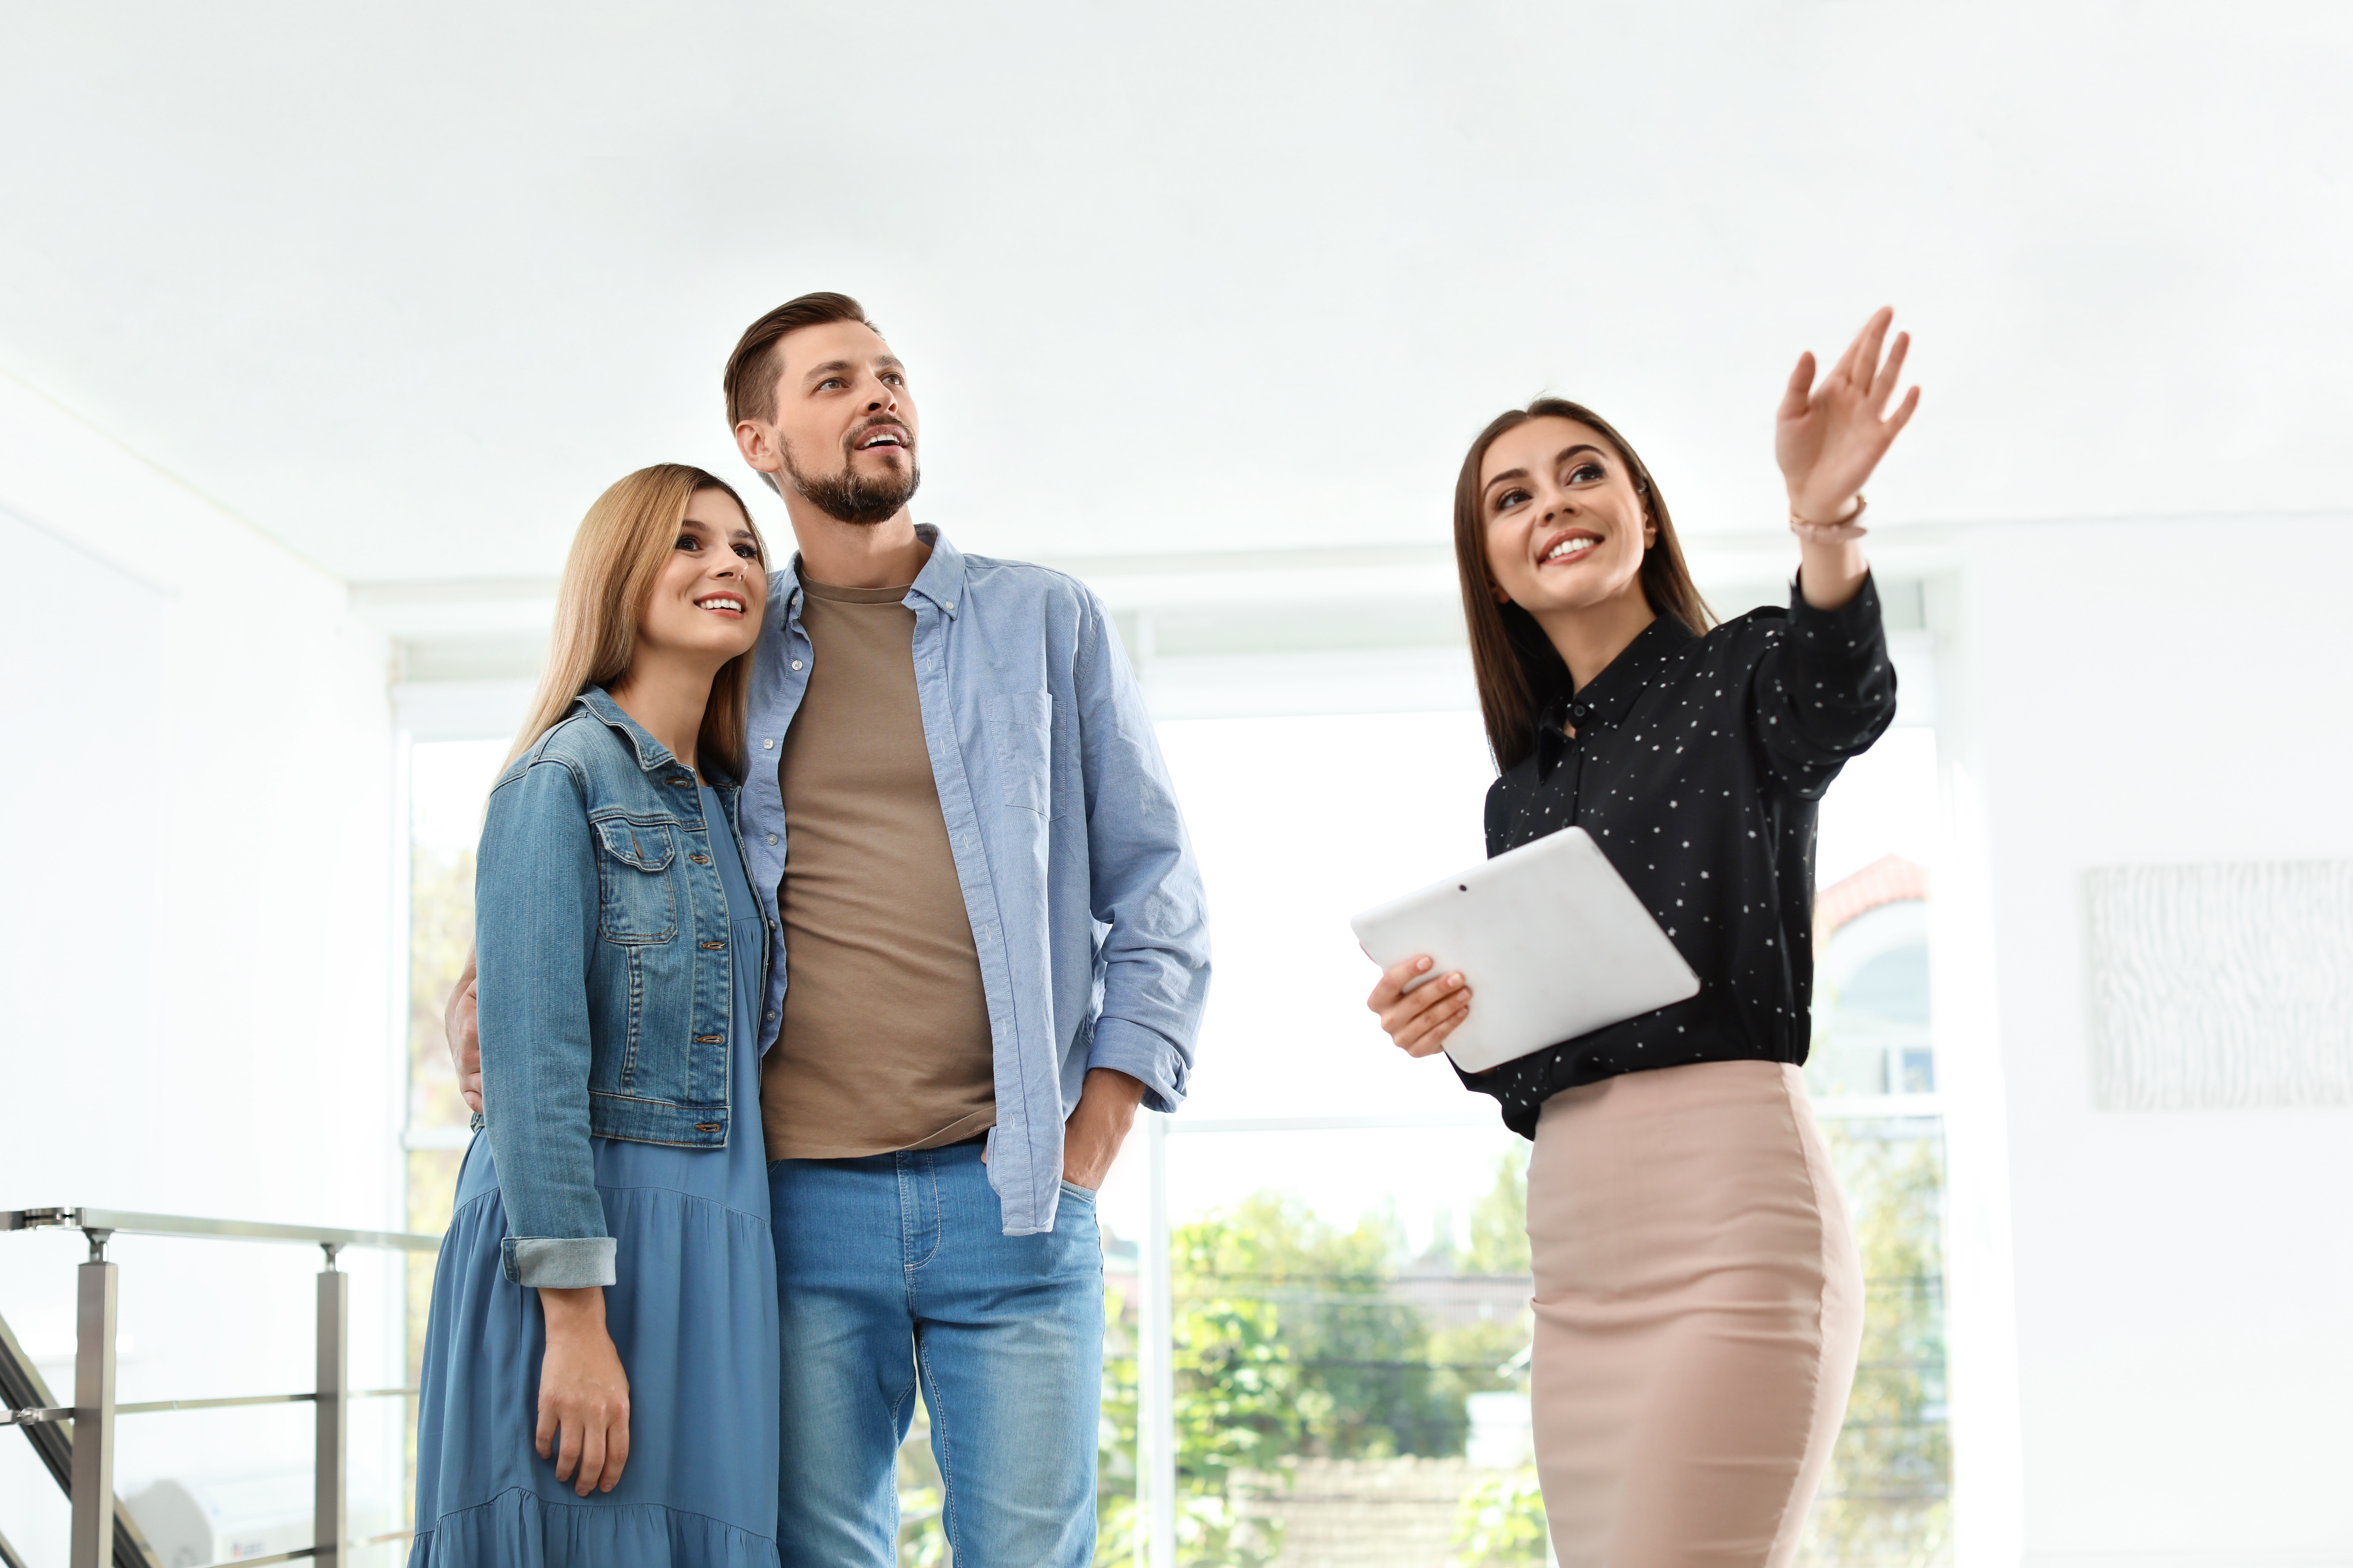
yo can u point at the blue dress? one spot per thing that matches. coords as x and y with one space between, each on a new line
693 1314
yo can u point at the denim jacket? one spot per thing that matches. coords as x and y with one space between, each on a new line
607 985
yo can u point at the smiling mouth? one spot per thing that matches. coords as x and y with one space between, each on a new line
721 604
1570 547
895 440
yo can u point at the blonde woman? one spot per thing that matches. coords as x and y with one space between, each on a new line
600 1378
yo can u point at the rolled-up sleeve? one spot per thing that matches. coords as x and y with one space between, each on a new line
535 905
1145 884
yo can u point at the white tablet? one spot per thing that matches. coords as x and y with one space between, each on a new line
1551 940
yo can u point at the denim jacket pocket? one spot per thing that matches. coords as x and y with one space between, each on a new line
637 902
1021 729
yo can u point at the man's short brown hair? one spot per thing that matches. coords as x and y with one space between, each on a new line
751 368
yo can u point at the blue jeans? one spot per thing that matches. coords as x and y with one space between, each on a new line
893 1270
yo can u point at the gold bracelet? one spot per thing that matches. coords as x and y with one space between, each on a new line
1860 506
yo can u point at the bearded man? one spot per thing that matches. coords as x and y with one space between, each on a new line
989 947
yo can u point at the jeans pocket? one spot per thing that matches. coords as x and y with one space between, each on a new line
1084 1195
1021 729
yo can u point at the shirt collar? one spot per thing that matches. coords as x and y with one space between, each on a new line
1605 699
941 581
651 754
942 578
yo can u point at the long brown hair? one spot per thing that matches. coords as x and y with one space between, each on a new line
1520 673
617 556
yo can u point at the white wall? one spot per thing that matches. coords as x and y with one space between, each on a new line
195 952
2118 693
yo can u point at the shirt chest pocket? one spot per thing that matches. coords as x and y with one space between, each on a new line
636 903
1021 731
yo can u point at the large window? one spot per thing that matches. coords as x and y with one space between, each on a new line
447 781
1347 1274
1348 1266
1873 1077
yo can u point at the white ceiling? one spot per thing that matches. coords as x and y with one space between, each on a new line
406 286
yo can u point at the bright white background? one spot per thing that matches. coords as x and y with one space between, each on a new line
408 286
305 309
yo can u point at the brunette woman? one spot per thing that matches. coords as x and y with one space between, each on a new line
601 1373
1698 1297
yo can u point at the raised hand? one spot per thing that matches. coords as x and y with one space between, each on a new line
1828 437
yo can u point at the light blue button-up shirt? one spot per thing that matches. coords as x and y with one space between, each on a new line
1086 905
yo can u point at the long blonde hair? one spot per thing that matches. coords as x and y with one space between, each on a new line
618 553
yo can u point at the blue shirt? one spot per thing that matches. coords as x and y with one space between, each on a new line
1086 905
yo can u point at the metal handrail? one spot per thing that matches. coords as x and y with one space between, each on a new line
35 1415
130 1224
102 1532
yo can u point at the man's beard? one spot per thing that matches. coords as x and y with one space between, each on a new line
850 497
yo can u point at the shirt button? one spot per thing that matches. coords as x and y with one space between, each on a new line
767 745
797 664
772 1015
772 838
948 604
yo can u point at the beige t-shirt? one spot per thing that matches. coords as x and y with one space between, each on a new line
884 1043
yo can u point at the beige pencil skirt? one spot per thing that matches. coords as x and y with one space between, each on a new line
1698 1312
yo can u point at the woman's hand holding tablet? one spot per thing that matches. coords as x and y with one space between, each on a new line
1419 1010
1559 942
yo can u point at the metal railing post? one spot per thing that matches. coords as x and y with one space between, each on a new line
92 1530
102 1533
331 1512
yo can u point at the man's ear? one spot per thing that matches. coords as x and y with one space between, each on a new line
752 444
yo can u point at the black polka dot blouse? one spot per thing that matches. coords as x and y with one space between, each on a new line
1697 764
